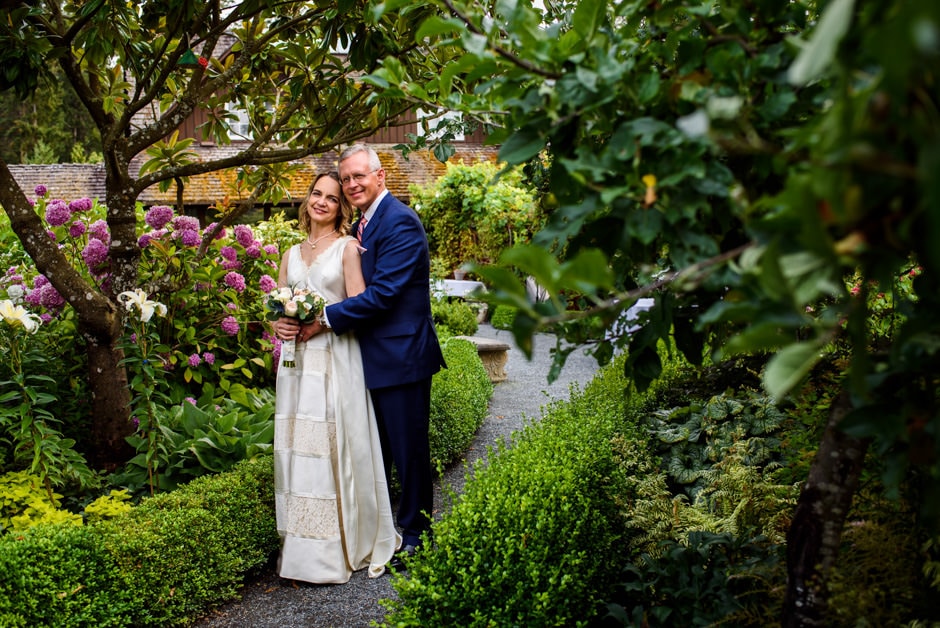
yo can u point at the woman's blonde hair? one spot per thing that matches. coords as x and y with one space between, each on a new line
344 217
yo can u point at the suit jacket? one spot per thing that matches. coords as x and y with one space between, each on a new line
392 317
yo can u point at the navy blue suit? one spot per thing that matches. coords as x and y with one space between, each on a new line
400 350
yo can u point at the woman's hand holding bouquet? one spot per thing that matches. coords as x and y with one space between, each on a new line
300 304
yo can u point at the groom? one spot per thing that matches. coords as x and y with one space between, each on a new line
392 320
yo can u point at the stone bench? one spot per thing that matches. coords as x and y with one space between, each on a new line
493 354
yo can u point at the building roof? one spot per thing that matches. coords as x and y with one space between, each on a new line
72 181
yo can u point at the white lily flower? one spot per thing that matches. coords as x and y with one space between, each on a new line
17 315
138 299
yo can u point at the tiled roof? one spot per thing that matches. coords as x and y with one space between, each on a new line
72 181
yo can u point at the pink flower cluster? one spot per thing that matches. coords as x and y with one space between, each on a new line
267 283
58 212
230 325
196 359
44 295
235 281
158 215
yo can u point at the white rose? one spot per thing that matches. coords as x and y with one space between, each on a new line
290 308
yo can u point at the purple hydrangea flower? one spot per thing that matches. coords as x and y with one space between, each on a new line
45 317
253 251
77 229
267 283
40 190
195 360
208 357
98 230
57 213
40 281
229 253
50 298
230 326
158 215
144 240
95 254
183 223
33 297
80 205
51 234
190 237
270 249
231 306
221 234
227 265
236 281
243 235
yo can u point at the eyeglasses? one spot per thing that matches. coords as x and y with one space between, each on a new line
357 178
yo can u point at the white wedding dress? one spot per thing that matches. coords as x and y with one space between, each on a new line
331 496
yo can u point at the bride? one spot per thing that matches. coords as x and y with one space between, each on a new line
331 495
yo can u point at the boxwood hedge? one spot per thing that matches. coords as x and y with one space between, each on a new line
178 554
530 540
156 565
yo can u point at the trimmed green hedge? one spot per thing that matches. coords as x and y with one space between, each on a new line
453 317
529 541
503 317
460 397
159 564
180 553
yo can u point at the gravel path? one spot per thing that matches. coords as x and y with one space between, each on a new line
270 601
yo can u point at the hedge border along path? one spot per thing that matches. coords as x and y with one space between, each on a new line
270 602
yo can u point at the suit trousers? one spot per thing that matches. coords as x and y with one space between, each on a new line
403 417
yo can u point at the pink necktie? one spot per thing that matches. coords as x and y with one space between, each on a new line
362 226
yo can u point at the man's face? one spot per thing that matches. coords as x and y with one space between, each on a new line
361 184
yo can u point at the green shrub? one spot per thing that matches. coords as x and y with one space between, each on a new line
530 541
25 502
471 216
166 560
199 438
503 317
460 396
700 582
63 576
108 506
453 318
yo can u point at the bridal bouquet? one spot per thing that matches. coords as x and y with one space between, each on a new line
304 305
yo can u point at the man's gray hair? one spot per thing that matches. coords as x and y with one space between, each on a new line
374 162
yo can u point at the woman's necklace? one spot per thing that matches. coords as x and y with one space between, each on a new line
313 244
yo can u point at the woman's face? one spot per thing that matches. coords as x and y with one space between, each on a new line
323 204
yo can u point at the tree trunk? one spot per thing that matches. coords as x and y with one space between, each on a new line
99 322
814 536
111 399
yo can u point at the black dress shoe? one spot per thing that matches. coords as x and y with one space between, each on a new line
399 561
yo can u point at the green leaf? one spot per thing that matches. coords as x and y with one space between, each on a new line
521 146
587 272
789 366
820 51
587 16
436 25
